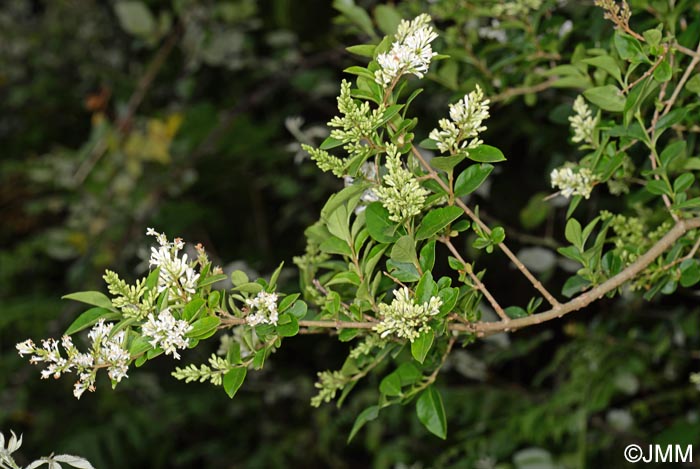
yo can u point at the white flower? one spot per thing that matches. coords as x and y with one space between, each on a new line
571 183
25 348
401 194
582 122
176 273
466 122
404 318
410 53
494 32
263 309
166 332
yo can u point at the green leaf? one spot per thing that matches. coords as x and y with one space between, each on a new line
212 279
574 285
380 228
359 71
607 63
204 327
404 250
298 309
356 15
250 287
498 235
431 412
363 50
135 18
671 152
331 142
238 277
428 144
436 220
93 298
608 98
471 178
515 312
390 385
421 346
652 36
233 354
690 204
152 279
486 154
139 345
334 245
427 256
287 325
670 119
388 18
233 380
447 163
663 72
425 288
628 47
683 182
287 302
192 308
367 415
658 187
90 317
690 272
693 85
573 234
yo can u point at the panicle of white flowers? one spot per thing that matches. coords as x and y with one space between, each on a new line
516 7
404 318
263 309
353 127
328 384
401 193
130 299
582 122
494 31
570 182
325 161
366 347
466 122
107 351
167 332
176 274
214 372
410 53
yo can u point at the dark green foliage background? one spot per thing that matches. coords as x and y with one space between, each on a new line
232 184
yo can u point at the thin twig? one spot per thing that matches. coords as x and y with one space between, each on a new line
479 284
513 92
514 259
584 299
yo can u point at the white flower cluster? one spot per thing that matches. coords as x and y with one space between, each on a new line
176 274
516 7
571 183
167 332
695 379
264 306
405 319
106 352
582 122
466 118
495 32
402 195
410 53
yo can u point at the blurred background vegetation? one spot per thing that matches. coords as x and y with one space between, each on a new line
185 115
